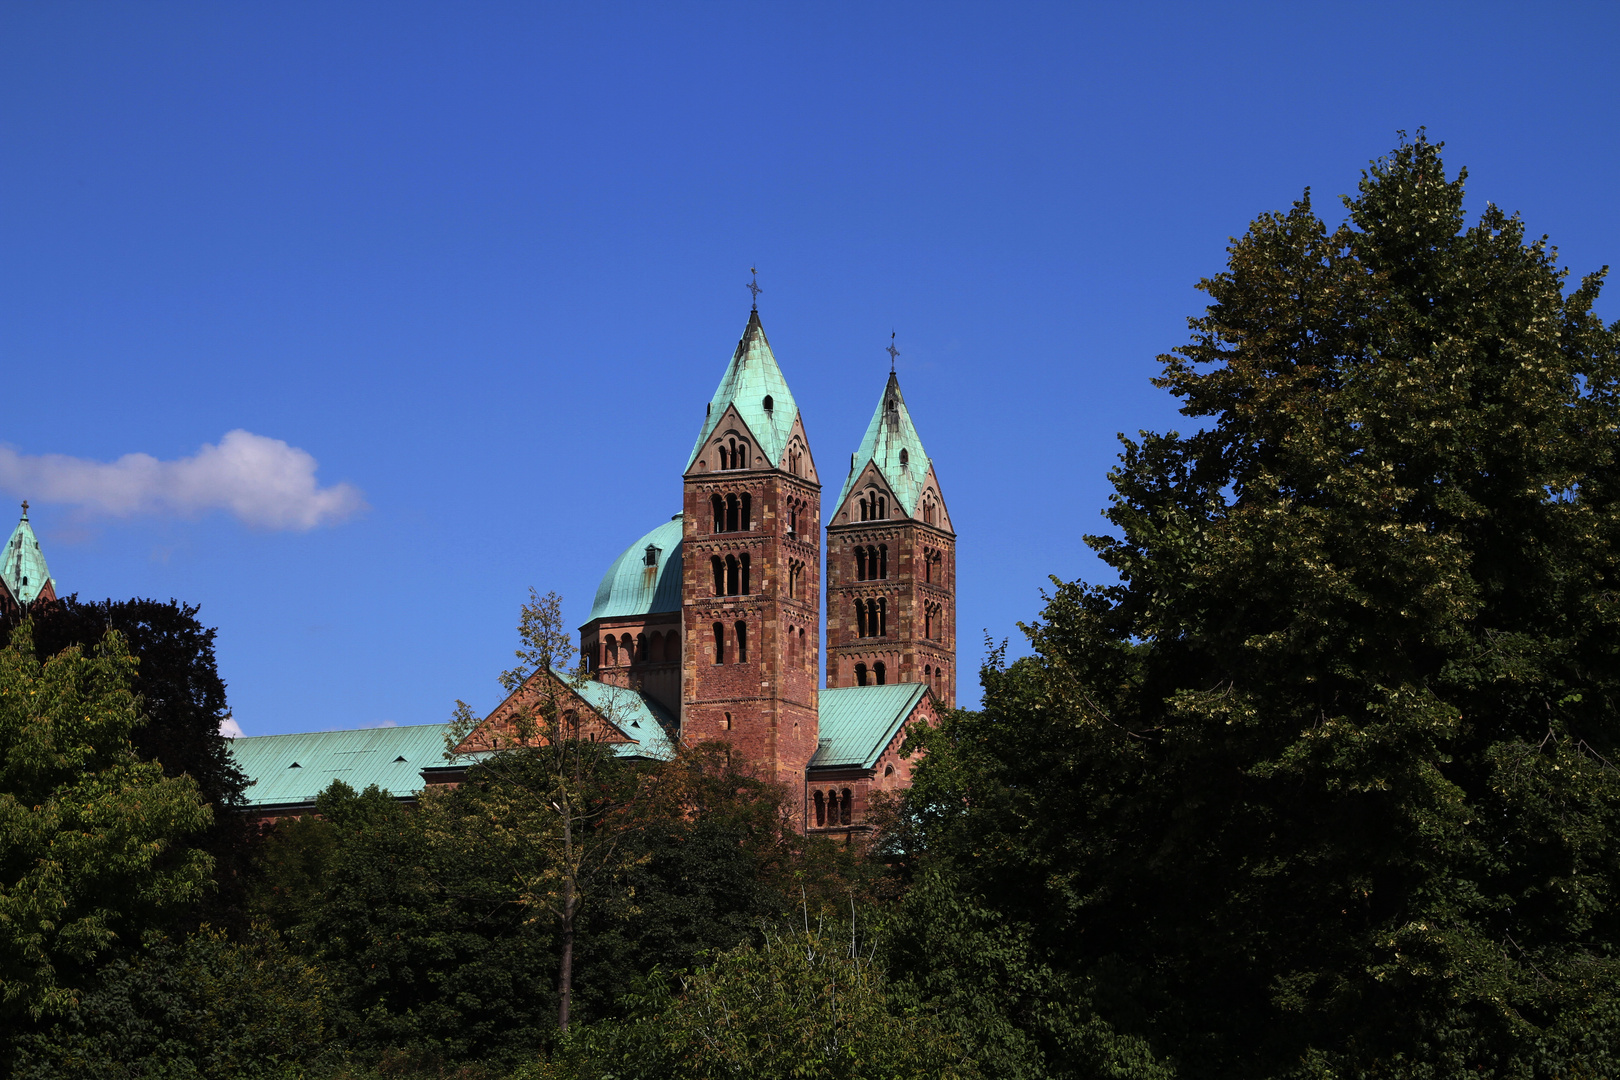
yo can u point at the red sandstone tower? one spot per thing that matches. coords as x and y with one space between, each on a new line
891 564
750 568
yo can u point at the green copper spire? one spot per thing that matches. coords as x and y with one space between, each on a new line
22 567
892 444
754 385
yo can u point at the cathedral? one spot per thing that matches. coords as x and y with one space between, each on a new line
709 628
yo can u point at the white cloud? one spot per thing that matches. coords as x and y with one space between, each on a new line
262 481
229 728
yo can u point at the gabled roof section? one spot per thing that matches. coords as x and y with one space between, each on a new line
22 565
290 770
629 720
892 444
646 579
638 717
857 722
751 379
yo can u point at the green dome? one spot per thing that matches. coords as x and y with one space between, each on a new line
646 579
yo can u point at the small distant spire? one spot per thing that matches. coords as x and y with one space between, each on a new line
892 351
753 287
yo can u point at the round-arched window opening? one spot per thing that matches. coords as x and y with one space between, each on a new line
888 770
904 458
892 405
769 404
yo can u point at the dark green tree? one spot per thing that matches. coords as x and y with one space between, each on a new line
183 699
93 840
176 676
1326 784
200 1008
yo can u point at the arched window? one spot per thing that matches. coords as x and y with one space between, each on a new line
746 522
641 647
883 617
804 657
845 816
860 674
570 724
768 403
719 643
719 505
860 563
821 811
627 647
878 672
731 575
742 642
612 644
905 458
860 618
672 648
745 588
883 561
928 621
882 508
731 513
719 575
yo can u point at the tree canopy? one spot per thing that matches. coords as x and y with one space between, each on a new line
92 839
1325 783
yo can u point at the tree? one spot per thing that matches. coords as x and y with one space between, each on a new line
177 678
428 961
1325 784
202 1007
805 1002
555 802
92 839
183 699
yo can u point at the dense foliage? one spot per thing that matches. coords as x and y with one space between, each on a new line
91 837
1326 784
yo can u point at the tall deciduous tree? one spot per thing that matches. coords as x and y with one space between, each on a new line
92 839
1327 783
557 809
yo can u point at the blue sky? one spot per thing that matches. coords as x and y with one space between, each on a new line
465 275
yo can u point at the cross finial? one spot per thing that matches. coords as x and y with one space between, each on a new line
753 287
892 351
25 508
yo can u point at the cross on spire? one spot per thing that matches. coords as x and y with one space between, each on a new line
892 351
25 508
753 287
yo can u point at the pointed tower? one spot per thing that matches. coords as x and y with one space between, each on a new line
23 576
891 564
751 581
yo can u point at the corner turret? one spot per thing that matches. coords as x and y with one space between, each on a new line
23 574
